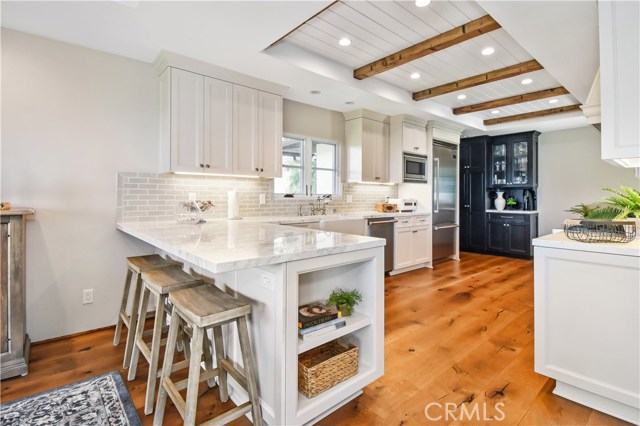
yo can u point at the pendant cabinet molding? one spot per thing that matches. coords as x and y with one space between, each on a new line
216 121
14 340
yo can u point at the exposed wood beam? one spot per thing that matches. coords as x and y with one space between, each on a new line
511 100
534 114
296 28
450 38
476 80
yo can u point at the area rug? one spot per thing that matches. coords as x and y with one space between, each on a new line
100 400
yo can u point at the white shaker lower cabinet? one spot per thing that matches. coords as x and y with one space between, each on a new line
587 323
412 246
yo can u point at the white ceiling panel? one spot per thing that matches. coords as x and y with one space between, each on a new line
380 28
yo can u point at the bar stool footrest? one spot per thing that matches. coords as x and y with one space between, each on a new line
175 396
239 377
230 415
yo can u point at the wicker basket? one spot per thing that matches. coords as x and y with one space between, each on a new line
323 367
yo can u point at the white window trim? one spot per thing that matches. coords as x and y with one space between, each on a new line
308 141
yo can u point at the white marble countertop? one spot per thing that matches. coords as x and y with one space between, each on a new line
223 245
560 240
512 211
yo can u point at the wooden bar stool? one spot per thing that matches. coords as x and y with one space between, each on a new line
136 265
159 283
202 308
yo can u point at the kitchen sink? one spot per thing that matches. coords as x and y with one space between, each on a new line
331 223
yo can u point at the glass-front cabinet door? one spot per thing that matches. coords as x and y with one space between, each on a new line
499 164
512 161
519 174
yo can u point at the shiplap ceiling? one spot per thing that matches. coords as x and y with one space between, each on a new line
379 28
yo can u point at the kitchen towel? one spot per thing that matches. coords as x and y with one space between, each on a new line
234 205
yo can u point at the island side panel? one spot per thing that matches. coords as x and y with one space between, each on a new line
587 326
314 279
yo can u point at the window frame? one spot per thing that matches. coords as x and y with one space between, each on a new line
308 168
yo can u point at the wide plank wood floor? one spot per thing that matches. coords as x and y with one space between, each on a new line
459 336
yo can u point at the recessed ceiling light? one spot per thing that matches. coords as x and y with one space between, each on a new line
553 101
462 96
488 51
526 81
415 75
315 92
422 3
495 111
344 41
349 102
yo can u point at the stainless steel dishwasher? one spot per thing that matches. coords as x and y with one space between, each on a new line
382 227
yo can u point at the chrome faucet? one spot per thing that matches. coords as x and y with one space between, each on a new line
320 205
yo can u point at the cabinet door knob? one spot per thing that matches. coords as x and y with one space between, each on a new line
201 165
377 177
257 170
208 166
261 169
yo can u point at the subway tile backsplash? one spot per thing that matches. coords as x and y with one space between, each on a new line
153 197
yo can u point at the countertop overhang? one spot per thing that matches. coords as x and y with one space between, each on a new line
223 245
560 241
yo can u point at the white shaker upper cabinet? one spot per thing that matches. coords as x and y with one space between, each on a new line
185 103
367 144
270 134
414 139
257 132
218 126
196 124
245 131
619 81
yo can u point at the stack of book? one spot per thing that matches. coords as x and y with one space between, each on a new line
316 319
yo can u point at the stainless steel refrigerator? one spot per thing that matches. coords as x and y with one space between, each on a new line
445 193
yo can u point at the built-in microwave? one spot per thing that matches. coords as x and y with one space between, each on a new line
415 168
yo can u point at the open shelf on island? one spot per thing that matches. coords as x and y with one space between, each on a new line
309 408
353 323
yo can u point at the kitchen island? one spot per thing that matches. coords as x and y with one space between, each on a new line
587 322
278 268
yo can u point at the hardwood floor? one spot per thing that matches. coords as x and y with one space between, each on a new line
460 334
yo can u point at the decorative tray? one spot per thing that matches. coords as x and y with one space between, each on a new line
600 231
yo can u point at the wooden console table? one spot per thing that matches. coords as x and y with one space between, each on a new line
14 341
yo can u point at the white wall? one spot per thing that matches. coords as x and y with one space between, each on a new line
71 118
571 172
308 120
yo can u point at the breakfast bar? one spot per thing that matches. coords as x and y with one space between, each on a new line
278 268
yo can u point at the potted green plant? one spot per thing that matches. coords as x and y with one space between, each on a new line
344 301
511 202
624 204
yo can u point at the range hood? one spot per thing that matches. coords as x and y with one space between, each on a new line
591 108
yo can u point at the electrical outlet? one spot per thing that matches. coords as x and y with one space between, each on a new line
349 198
87 296
268 282
263 199
192 196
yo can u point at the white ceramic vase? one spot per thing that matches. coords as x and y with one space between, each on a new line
500 202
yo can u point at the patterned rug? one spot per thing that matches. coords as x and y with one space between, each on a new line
100 400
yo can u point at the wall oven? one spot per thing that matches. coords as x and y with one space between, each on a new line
415 168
